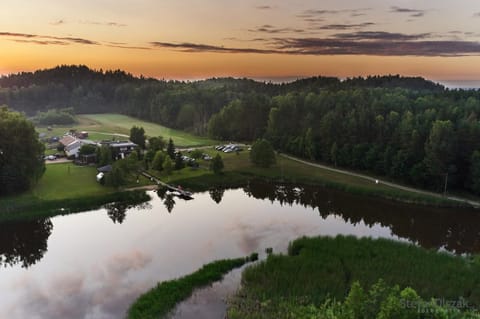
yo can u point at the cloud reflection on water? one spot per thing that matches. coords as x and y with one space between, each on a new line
99 293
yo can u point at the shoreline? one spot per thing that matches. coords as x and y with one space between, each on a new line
288 170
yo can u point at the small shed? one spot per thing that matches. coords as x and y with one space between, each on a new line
105 169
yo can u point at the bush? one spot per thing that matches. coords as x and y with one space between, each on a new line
54 116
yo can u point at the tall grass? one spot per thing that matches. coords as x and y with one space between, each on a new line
160 300
317 269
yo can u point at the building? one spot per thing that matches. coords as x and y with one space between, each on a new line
72 145
120 149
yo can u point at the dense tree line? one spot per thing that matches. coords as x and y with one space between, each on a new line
408 129
421 139
54 116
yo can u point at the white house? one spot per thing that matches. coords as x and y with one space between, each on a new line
74 144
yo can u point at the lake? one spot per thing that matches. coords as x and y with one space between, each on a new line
93 265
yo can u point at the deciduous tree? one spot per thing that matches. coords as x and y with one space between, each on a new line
21 153
262 153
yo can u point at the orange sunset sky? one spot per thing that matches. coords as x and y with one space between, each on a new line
194 39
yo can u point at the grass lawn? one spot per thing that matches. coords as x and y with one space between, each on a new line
66 180
67 185
108 126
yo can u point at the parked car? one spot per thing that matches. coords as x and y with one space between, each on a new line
206 157
50 157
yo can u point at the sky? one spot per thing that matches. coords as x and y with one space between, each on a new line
195 39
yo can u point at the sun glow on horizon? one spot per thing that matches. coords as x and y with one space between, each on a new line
196 40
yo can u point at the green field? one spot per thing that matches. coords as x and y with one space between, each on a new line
105 126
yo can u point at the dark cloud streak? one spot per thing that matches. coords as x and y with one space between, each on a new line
381 36
42 39
414 13
377 43
320 12
345 26
264 7
108 24
194 47
266 28
64 41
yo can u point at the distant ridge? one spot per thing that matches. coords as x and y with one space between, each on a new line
73 75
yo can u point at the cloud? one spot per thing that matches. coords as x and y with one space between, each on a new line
41 42
45 39
108 24
345 26
55 40
266 28
195 47
320 12
414 13
58 22
264 7
389 46
378 43
130 47
381 35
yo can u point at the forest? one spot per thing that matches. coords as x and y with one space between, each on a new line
408 129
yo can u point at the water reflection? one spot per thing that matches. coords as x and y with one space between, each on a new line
217 194
24 242
455 230
118 211
169 202
167 197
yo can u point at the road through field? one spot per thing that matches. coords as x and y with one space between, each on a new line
475 204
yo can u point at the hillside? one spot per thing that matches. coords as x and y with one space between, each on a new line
407 129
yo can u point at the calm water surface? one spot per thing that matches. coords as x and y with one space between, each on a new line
94 264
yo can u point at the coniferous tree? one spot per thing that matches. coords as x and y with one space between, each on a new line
171 149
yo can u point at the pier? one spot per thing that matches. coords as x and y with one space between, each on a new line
180 192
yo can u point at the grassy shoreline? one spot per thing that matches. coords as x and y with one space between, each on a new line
239 171
75 188
38 208
163 298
